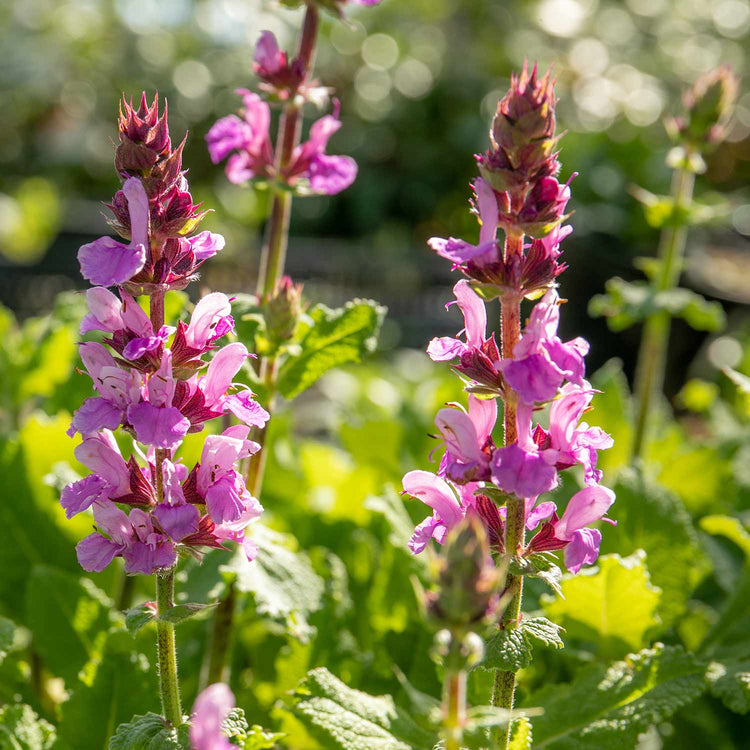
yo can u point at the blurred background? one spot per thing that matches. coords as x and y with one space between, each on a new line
418 82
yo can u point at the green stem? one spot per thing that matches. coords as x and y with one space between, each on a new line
503 689
272 260
649 377
218 669
167 654
454 707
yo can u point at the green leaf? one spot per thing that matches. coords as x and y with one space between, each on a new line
81 614
149 732
653 519
116 686
181 612
353 720
730 682
334 338
22 729
729 527
261 739
139 616
627 302
540 565
541 629
283 583
612 605
510 649
522 735
7 636
609 708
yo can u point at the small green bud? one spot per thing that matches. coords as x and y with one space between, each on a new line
282 310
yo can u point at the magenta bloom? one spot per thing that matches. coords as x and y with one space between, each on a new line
132 537
247 138
106 262
438 495
467 439
210 710
541 361
576 443
475 319
486 251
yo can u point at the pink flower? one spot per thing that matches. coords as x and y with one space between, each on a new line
132 537
438 495
486 250
105 261
248 138
210 710
475 319
326 174
541 361
467 439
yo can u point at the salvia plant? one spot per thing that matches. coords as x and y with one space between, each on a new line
155 384
526 370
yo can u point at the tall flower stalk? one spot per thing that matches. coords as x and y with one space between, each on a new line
288 168
708 105
532 368
154 384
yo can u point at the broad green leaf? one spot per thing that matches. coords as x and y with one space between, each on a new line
729 527
653 519
510 649
338 486
38 537
628 302
699 474
612 605
69 618
282 581
334 338
7 635
120 684
730 682
609 707
353 720
22 729
139 616
149 732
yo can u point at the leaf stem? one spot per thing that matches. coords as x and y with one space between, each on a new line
454 695
649 377
503 688
218 669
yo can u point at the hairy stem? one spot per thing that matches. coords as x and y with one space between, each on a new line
169 687
217 669
454 708
272 260
649 377
273 255
503 689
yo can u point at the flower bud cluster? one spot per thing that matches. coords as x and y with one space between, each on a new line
518 192
539 370
708 106
155 382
